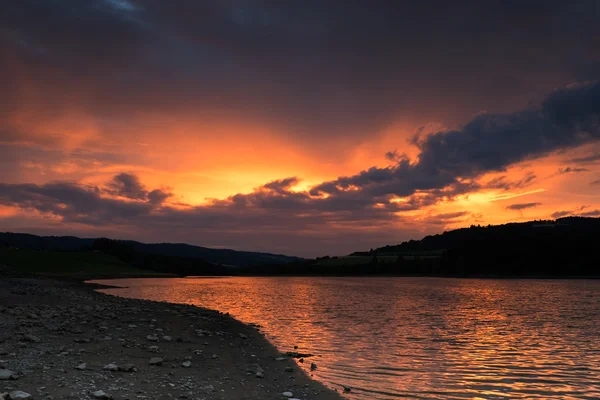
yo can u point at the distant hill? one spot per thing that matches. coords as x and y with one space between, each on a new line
566 247
214 256
563 231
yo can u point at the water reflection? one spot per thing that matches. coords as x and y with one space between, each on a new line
418 338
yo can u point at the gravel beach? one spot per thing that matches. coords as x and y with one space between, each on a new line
63 340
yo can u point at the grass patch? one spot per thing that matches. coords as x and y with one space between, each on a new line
66 264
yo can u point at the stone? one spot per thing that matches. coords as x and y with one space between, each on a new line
347 389
186 364
6 374
127 368
31 339
111 367
152 338
19 395
287 394
281 359
215 356
100 394
313 366
259 374
289 369
167 338
81 366
155 361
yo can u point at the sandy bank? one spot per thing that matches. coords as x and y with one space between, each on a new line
62 340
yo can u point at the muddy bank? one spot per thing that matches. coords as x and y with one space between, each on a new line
62 340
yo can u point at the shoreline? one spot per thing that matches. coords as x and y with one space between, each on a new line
62 339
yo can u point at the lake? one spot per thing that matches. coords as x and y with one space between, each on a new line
417 338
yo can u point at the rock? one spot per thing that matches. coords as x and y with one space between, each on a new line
313 366
127 368
19 395
259 375
280 359
81 366
155 361
111 367
289 369
186 364
99 394
254 368
31 339
214 356
6 374
152 338
167 338
287 394
347 389
153 348
243 336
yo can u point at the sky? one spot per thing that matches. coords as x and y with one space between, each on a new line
304 127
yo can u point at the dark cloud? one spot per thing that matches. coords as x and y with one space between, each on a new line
501 182
130 187
576 212
127 185
560 214
453 215
328 69
566 118
587 159
568 170
522 206
72 202
158 196
282 185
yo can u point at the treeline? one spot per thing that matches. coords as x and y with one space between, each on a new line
157 262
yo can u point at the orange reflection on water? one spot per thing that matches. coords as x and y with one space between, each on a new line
418 337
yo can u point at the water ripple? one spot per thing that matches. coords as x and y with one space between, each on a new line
418 338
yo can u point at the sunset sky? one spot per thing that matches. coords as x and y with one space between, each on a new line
299 127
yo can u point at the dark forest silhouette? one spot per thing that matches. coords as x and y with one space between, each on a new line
567 247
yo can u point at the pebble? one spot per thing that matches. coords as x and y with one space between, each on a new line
99 394
289 369
19 395
6 374
313 366
287 394
186 364
152 338
155 361
111 367
81 366
127 368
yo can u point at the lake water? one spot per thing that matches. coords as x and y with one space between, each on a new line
418 338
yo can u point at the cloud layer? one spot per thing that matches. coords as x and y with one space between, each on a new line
104 102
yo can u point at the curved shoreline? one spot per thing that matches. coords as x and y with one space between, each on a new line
50 327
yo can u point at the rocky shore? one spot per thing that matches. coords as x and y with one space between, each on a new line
62 340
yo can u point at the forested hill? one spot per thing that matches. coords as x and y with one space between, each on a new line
568 233
214 256
562 248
